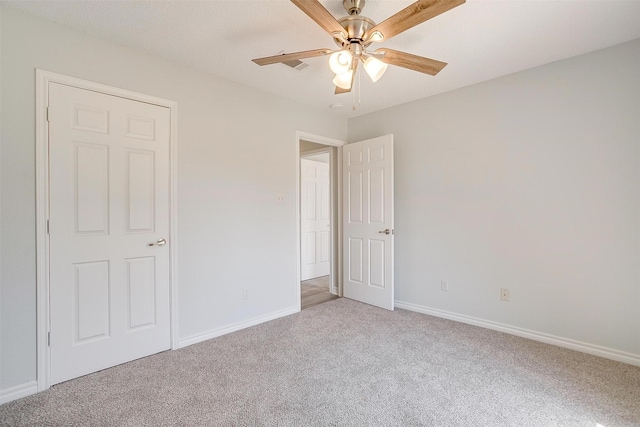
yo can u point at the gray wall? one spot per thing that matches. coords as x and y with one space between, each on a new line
529 182
228 177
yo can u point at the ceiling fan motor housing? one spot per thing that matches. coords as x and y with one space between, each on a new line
356 26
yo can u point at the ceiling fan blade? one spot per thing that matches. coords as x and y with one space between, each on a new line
412 62
339 90
318 13
286 57
409 17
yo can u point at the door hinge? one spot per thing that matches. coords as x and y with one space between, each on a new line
48 227
49 339
48 114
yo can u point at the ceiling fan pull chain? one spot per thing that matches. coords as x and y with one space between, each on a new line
353 100
359 92
353 92
357 104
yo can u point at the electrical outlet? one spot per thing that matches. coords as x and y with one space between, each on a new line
505 294
245 293
444 285
280 199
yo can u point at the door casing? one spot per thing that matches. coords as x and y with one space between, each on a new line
336 208
43 78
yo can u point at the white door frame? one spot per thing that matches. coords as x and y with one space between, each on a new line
336 217
43 78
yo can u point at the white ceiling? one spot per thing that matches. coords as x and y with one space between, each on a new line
481 40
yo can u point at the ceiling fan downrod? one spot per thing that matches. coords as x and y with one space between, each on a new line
353 7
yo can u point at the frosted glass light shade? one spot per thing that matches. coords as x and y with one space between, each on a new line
375 68
343 80
340 61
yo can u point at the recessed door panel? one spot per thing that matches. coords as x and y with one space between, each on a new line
90 119
311 212
376 154
355 260
141 190
376 196
91 301
355 157
311 247
354 201
376 263
324 201
324 246
91 182
141 128
141 284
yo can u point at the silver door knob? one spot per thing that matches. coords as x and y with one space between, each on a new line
160 242
386 231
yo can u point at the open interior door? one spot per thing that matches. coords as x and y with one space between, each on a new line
368 221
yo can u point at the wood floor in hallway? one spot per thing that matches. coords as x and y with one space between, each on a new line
315 291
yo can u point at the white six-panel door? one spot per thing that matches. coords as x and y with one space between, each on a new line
315 219
368 221
109 199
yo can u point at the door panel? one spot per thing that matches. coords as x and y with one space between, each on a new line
140 191
368 202
91 294
109 198
315 220
141 291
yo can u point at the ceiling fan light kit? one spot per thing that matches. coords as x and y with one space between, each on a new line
343 80
355 33
375 68
340 61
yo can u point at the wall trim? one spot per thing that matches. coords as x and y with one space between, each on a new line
593 349
17 392
43 78
204 336
336 211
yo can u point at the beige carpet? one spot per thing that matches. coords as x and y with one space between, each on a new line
343 363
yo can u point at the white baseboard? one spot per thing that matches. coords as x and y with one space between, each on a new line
194 339
596 350
22 390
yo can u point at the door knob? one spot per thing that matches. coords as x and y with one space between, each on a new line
160 242
386 231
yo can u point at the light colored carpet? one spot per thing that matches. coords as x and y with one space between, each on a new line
345 363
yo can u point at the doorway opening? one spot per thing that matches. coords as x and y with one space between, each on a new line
318 237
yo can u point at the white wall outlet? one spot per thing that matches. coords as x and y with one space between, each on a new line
444 285
280 199
245 293
505 294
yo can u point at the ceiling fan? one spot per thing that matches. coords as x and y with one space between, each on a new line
355 33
